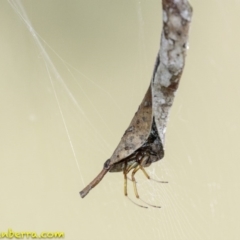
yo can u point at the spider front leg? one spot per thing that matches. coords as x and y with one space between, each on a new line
139 159
136 163
139 166
134 180
142 161
127 169
147 176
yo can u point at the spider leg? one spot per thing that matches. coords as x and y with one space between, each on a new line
146 174
125 172
134 181
135 186
125 183
127 169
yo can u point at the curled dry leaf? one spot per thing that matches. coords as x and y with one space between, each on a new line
143 141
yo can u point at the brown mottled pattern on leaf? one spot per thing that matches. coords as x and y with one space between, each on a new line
137 132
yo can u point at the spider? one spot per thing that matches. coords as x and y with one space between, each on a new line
148 153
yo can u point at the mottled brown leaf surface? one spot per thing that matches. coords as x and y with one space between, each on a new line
137 132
